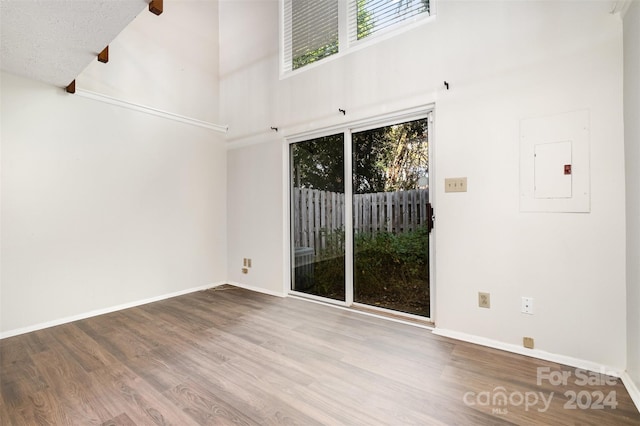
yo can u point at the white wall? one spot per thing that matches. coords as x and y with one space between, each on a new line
632 156
505 61
168 62
255 214
102 206
248 67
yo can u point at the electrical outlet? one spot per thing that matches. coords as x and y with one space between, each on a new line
527 305
455 184
527 342
484 300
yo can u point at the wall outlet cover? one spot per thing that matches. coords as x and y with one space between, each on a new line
484 300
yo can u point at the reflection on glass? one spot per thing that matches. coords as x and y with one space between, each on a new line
390 210
317 216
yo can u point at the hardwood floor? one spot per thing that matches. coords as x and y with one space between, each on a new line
237 357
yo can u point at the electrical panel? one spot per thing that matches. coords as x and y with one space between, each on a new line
554 163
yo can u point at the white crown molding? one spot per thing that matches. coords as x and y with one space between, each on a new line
149 110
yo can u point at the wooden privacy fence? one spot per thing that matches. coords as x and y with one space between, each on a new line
317 214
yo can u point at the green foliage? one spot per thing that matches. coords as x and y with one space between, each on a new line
390 270
383 257
329 278
390 158
365 24
365 20
333 243
406 3
319 163
315 55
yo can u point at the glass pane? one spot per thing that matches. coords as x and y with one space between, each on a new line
314 30
317 215
390 210
377 15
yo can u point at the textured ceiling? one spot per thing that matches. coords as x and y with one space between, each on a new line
53 41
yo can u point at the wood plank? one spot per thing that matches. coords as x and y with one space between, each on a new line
156 7
304 218
104 55
405 211
295 215
87 352
323 219
69 393
121 420
314 220
231 356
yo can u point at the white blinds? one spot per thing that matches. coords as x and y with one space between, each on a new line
311 28
372 16
311 31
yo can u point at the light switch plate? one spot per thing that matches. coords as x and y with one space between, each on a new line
458 184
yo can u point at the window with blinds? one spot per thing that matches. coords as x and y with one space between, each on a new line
311 32
372 16
316 29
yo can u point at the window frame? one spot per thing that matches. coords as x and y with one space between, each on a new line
347 15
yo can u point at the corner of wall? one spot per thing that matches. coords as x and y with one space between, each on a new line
631 34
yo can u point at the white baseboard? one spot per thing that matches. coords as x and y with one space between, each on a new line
534 353
627 381
632 388
97 312
257 289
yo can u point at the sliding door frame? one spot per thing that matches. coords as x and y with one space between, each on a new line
289 242
347 129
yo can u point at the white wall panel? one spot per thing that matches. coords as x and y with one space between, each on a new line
168 62
632 157
102 206
504 61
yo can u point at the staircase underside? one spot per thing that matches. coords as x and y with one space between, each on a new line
53 41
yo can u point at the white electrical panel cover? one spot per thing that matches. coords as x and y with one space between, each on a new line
552 170
554 163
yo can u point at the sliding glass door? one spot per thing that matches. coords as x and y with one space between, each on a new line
318 217
363 239
390 217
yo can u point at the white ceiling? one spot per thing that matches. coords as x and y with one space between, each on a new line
53 41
